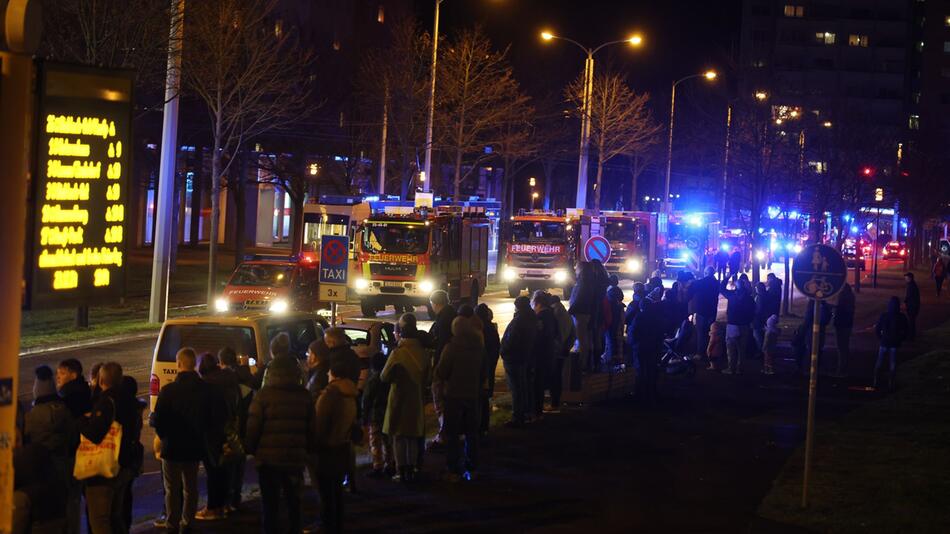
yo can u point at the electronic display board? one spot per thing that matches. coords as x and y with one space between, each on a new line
79 190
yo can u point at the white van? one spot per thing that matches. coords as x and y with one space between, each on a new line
249 335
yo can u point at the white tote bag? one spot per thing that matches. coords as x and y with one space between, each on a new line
99 460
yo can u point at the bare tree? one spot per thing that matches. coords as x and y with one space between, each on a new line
620 120
290 171
251 76
478 94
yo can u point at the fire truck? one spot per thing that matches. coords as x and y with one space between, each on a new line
402 257
272 283
542 252
632 236
689 242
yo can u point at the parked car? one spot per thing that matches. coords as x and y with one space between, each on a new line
895 251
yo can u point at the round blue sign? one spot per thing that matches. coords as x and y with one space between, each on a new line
819 272
597 248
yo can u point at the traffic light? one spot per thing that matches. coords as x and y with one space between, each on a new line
879 194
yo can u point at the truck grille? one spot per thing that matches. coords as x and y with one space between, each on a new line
534 261
250 305
392 290
392 269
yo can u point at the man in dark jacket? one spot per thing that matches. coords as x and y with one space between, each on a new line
440 334
182 418
773 288
583 305
703 295
517 345
280 432
105 498
461 370
228 359
647 338
340 351
911 305
740 311
844 323
546 348
333 424
75 392
492 353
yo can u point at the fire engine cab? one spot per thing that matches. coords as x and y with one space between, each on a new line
403 255
272 283
690 241
541 253
632 237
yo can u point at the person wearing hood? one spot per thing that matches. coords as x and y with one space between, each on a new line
613 336
740 312
565 329
334 419
583 302
891 330
769 345
407 371
517 347
47 424
461 369
546 348
647 338
492 353
280 432
74 390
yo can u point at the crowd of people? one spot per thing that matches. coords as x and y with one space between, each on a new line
297 418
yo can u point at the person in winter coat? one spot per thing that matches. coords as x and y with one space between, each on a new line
129 389
911 305
517 347
762 309
492 353
770 344
598 320
461 369
735 264
647 347
655 282
891 329
613 336
440 334
582 307
939 273
545 348
226 394
639 293
334 420
773 288
716 349
565 329
722 263
318 367
47 424
184 416
229 364
351 367
375 395
740 311
407 371
105 498
703 296
843 321
280 432
74 390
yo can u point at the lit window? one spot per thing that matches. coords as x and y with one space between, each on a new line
827 38
381 15
914 122
858 40
278 28
794 11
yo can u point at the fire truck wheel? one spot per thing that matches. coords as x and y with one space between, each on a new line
367 309
513 291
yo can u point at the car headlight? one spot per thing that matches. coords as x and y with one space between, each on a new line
560 276
760 255
634 265
426 286
361 283
221 304
279 306
509 274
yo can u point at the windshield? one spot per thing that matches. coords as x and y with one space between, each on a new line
206 338
301 333
528 231
395 238
262 274
625 231
679 232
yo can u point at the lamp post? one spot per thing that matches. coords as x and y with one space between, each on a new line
586 104
534 196
427 165
709 75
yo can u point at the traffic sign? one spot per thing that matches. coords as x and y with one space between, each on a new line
819 272
597 248
944 247
334 263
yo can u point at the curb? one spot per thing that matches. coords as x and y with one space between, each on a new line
36 351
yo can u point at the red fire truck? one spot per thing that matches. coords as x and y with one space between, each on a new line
541 253
272 283
402 258
632 236
690 241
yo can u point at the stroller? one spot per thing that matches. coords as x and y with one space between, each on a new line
676 360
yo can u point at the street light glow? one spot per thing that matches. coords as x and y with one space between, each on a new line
761 95
534 195
827 124
547 36
531 181
778 121
635 39
710 74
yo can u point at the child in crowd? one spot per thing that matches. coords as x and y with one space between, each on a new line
716 349
375 397
769 344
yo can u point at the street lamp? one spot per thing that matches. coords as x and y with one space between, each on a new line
531 181
634 40
534 196
427 165
710 75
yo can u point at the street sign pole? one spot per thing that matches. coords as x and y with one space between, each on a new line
333 314
812 390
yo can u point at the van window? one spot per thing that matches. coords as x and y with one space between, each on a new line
301 332
206 338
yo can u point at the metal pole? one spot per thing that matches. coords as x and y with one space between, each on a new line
427 166
877 240
725 165
165 201
333 314
382 144
812 387
587 106
669 154
788 286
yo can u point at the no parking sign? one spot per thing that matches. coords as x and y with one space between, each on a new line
597 248
334 263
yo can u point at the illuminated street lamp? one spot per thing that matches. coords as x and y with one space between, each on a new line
761 95
531 181
534 196
634 40
709 75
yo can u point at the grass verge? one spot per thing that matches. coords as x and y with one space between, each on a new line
884 467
